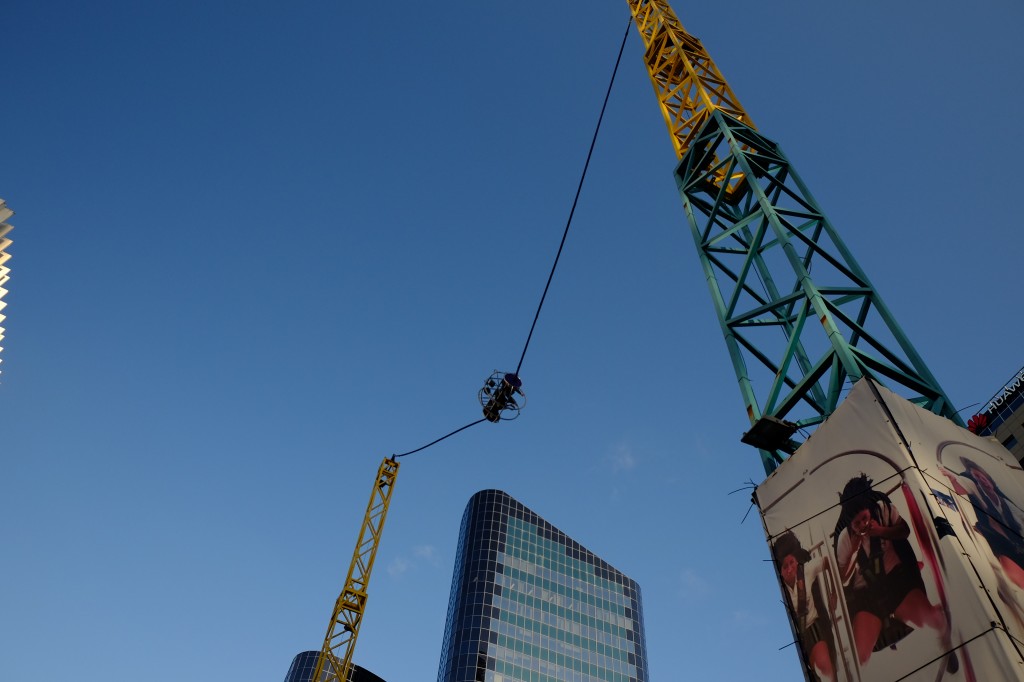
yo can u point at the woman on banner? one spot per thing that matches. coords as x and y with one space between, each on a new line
1000 521
880 571
805 597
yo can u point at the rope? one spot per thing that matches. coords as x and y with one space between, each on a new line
575 200
565 234
462 428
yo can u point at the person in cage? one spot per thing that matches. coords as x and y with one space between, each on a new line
805 596
885 592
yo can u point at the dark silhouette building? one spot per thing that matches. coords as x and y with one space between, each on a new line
304 665
530 603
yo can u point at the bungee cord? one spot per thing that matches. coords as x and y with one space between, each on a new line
499 389
434 442
579 189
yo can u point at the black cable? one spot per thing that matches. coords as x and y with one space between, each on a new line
579 188
439 439
968 407
565 234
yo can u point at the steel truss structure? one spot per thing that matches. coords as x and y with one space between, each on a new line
335 662
772 260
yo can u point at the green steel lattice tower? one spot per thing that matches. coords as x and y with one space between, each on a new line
800 318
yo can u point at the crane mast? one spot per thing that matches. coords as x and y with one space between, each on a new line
800 317
335 661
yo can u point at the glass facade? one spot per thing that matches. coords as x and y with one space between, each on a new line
304 665
1005 412
529 604
1007 403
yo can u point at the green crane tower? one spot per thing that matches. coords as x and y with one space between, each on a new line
800 317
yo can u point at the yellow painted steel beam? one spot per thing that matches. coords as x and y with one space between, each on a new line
335 661
687 82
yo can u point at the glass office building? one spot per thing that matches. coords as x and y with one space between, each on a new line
304 665
530 604
1004 415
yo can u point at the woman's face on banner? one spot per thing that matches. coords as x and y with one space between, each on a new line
984 481
861 522
788 569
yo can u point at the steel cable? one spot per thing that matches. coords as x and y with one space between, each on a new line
565 234
579 189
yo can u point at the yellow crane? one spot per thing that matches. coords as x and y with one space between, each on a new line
497 398
687 82
335 662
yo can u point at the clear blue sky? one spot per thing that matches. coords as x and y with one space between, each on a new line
260 245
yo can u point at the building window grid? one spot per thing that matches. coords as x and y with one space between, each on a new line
580 570
588 589
519 667
523 634
601 632
1004 412
541 568
593 604
585 647
559 653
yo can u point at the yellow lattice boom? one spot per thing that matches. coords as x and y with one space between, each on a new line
688 84
335 661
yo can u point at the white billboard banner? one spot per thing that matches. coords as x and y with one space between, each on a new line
897 538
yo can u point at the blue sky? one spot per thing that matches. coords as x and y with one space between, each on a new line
259 246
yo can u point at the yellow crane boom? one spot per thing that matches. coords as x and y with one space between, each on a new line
335 662
686 80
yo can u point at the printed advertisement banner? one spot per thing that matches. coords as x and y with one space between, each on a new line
897 539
